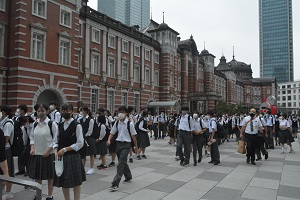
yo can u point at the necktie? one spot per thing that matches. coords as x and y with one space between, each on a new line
251 126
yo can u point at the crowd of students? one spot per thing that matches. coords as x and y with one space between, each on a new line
48 135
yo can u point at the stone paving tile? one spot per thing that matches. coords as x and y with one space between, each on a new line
200 185
183 193
165 185
264 183
233 159
285 198
212 176
231 183
246 168
221 169
291 168
146 194
133 186
218 193
259 193
105 195
289 162
167 170
94 177
289 191
240 175
268 175
151 177
155 165
290 178
183 176
229 164
95 186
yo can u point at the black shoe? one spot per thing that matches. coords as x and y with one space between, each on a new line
199 160
266 157
130 160
195 163
26 174
138 157
155 138
185 164
20 173
34 198
211 161
127 180
143 156
112 164
253 163
217 163
248 160
258 159
114 188
49 198
181 162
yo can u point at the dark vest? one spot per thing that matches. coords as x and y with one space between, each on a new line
67 137
107 132
85 125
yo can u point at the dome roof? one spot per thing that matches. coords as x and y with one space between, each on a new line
204 52
163 26
233 64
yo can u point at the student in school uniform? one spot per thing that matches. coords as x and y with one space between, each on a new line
198 140
285 134
102 140
42 141
143 137
54 114
69 141
214 149
3 160
88 149
126 133
155 125
6 124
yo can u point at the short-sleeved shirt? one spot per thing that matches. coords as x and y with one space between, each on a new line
197 126
270 121
123 134
186 123
256 125
212 125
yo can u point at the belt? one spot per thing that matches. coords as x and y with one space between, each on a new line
123 142
185 131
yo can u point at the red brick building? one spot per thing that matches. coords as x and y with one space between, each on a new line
65 51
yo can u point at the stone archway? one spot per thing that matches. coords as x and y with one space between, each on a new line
47 94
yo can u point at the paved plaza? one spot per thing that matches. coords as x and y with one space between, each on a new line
161 177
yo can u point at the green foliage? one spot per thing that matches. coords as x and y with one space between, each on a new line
222 107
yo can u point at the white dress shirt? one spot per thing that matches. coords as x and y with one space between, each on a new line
8 129
185 124
256 124
102 131
197 126
123 134
212 125
55 116
141 126
91 125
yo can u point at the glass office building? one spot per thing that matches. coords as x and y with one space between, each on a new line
276 39
129 12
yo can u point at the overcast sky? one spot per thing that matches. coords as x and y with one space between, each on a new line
221 24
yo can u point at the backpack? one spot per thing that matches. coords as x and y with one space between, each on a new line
17 147
220 133
49 124
171 125
128 127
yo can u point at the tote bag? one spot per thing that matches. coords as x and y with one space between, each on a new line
59 166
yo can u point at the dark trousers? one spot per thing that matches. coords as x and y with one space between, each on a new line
184 139
197 146
161 130
236 132
270 137
23 160
214 152
155 130
122 151
260 147
251 143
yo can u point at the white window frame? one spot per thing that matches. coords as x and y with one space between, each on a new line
2 35
136 101
125 44
179 84
156 57
137 51
124 99
43 34
268 91
136 74
125 70
94 39
79 54
4 5
95 60
113 46
110 100
172 58
147 75
64 9
62 39
156 78
37 13
94 102
179 64
147 54
80 29
171 80
111 69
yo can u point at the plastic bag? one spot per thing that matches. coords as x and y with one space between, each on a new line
59 166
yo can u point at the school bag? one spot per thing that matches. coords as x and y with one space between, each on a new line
220 133
171 125
17 147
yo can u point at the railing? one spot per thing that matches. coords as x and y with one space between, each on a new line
23 182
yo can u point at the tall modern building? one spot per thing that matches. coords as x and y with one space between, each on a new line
129 12
276 39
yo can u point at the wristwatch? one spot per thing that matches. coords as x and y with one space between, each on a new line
65 150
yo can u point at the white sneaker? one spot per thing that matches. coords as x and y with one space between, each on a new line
7 195
90 171
208 154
